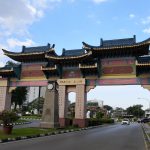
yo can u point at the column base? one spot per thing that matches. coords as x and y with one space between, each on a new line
65 122
80 122
49 125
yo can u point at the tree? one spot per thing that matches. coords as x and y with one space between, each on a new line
36 104
99 115
107 107
135 110
19 96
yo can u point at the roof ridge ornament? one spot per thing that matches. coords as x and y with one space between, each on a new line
101 42
134 37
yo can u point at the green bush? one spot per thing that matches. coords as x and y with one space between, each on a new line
95 122
106 120
8 117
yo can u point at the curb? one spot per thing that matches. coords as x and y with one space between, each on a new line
146 137
47 134
21 123
29 118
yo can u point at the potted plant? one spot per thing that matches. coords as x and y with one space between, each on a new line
8 118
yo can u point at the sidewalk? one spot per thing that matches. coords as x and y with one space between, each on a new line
146 130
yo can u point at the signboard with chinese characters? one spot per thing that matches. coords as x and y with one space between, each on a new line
70 81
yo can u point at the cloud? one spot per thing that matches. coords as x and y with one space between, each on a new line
131 16
99 1
2 56
15 19
146 20
12 42
18 15
94 18
147 30
2 64
71 1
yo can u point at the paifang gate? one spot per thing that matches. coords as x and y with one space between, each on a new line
112 62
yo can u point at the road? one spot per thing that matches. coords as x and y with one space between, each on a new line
114 137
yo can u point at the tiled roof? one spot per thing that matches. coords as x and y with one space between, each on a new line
118 42
75 52
15 69
35 49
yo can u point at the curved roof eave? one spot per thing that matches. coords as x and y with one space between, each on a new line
88 47
6 71
8 53
69 57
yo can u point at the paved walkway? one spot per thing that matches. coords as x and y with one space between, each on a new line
146 129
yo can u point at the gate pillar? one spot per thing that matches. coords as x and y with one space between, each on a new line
80 106
63 102
5 96
50 118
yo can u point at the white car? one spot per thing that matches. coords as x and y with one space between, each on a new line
125 121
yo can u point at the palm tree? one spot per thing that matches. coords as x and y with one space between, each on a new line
19 96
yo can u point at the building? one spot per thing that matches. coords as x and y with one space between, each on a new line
147 113
34 93
111 62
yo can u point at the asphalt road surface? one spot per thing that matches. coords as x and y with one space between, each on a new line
114 137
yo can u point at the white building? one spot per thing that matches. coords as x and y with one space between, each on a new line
147 113
33 93
100 102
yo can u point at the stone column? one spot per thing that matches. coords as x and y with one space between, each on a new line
50 118
5 96
63 98
80 106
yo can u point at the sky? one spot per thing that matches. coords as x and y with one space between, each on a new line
66 23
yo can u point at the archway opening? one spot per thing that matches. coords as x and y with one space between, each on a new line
119 98
71 105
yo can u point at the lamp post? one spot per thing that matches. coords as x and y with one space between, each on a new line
146 100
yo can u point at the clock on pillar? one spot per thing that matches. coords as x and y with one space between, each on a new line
50 86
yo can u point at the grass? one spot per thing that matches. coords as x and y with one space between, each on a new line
31 132
21 121
18 121
32 117
25 132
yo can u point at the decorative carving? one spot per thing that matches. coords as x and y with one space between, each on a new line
88 88
118 70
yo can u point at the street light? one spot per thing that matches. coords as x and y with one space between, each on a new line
146 100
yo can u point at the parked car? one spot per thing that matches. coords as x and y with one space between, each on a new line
145 120
125 122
